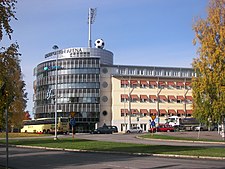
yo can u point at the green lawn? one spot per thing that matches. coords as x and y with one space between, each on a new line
14 135
69 143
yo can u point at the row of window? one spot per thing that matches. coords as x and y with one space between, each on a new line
90 85
152 71
79 100
71 63
48 96
150 112
72 78
69 108
155 87
69 71
154 98
155 84
88 117
45 93
69 100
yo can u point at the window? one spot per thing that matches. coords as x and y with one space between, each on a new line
104 113
143 112
143 98
134 112
162 98
180 99
124 83
189 99
179 85
171 99
152 84
152 98
104 98
170 85
162 112
180 113
152 112
134 98
189 113
143 84
123 112
133 83
171 112
188 85
161 85
124 98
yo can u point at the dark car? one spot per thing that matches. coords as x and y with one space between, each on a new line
102 130
161 128
113 128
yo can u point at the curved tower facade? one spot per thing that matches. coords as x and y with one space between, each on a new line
78 85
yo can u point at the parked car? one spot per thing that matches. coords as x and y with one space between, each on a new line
102 130
113 128
202 128
162 128
206 128
135 130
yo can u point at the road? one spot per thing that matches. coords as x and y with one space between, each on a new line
23 158
131 138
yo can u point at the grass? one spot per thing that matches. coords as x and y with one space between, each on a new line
80 144
14 135
167 137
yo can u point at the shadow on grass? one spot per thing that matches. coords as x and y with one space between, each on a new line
152 149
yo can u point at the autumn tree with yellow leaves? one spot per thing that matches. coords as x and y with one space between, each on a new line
12 87
209 82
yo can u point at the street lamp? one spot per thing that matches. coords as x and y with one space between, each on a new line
129 107
157 95
55 47
185 102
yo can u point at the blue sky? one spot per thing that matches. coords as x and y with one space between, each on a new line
138 32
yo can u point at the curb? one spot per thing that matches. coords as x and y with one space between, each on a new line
107 152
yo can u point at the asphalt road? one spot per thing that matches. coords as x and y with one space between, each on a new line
132 138
23 158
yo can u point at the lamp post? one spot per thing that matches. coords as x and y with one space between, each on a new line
7 138
124 119
55 47
129 107
185 102
157 95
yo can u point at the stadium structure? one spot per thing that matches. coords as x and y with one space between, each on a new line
84 82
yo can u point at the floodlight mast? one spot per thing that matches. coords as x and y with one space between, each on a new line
91 19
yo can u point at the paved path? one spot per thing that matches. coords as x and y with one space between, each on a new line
132 138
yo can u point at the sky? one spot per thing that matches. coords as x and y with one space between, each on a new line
138 32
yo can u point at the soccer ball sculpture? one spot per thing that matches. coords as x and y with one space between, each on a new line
99 43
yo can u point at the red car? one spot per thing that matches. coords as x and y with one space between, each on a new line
162 128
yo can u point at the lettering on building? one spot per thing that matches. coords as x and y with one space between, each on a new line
71 51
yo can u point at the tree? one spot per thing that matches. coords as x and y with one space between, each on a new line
7 12
13 95
208 85
26 116
12 87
